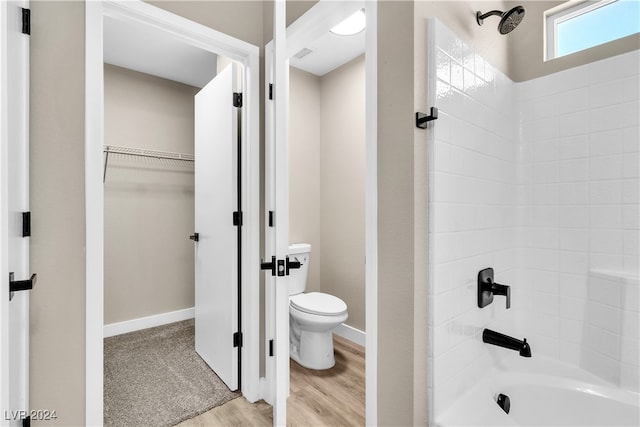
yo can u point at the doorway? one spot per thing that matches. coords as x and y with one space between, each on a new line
197 36
318 20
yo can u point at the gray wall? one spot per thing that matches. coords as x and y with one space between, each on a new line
305 128
57 357
327 177
342 189
57 345
148 203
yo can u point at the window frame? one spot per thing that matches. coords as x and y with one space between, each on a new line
557 15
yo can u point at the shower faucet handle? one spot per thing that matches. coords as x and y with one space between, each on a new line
487 288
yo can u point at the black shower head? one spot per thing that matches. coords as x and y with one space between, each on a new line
510 19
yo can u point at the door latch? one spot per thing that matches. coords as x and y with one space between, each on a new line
21 285
292 265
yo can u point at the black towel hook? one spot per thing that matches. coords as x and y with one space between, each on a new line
422 119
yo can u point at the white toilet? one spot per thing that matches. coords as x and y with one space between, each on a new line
312 316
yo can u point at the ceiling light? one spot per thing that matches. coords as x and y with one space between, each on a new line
352 25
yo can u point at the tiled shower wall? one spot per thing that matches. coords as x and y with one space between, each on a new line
473 202
538 180
580 150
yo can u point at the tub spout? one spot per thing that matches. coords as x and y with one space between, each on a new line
501 340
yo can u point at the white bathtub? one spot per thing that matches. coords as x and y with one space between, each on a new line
543 392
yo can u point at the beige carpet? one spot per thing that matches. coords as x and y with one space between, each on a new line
155 377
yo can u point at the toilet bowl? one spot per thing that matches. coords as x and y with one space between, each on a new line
312 316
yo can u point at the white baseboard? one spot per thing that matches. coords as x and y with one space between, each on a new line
148 322
350 333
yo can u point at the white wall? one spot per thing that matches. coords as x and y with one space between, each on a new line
538 180
580 143
473 199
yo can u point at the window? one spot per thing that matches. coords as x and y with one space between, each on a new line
586 24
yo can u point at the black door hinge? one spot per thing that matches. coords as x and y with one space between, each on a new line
270 347
271 218
26 224
237 339
270 90
237 218
237 99
195 237
26 422
26 21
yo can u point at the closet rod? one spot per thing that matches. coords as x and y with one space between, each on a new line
141 152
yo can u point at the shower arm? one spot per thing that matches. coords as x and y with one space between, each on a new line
482 17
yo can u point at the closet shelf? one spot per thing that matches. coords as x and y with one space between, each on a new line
141 152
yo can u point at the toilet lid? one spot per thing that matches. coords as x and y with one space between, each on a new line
319 303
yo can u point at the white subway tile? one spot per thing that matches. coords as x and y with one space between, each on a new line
572 101
630 191
574 216
457 76
630 113
443 66
573 285
574 147
605 167
574 193
613 68
606 216
631 297
605 118
574 124
631 264
630 351
614 92
605 261
601 365
603 341
604 317
571 331
574 170
630 243
605 241
605 192
573 308
631 324
574 239
631 139
574 262
631 165
605 143
630 377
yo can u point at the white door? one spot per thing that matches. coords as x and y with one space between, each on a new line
216 199
277 235
14 309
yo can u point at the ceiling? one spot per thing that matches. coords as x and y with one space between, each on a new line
329 52
148 50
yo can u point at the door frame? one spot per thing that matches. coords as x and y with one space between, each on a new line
205 38
14 131
316 21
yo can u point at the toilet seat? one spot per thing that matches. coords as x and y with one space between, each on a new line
319 304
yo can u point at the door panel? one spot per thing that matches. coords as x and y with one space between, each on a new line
279 194
216 261
16 120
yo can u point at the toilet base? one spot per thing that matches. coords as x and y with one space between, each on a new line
315 350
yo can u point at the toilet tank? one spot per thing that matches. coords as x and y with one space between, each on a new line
298 277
